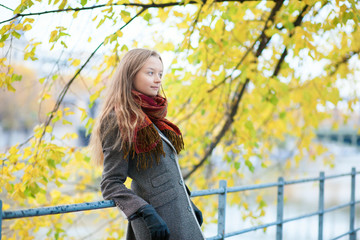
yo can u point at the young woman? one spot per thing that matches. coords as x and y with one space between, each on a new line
132 138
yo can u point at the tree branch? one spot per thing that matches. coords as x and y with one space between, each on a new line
226 126
146 6
1 5
194 25
67 86
344 60
236 67
237 97
285 52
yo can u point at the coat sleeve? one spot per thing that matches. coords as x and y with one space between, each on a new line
114 175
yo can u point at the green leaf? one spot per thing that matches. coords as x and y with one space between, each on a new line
45 179
289 25
4 37
66 122
87 159
62 5
237 165
22 7
282 115
51 163
83 2
147 17
16 77
273 99
62 43
250 165
16 34
210 41
124 48
249 125
100 23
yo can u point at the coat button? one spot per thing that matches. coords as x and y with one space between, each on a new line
172 156
181 182
189 208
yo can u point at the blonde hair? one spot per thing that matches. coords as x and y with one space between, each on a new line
118 100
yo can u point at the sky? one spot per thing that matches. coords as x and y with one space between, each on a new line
82 27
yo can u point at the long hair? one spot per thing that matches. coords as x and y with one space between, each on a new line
118 99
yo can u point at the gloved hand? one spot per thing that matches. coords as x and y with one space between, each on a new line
197 211
198 214
156 225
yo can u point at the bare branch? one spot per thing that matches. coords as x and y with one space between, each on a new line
238 96
192 112
193 26
1 5
67 86
344 60
236 67
145 6
285 52
226 126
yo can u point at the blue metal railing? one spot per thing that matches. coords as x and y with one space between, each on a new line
222 191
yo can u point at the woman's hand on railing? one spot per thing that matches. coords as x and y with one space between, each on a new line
156 225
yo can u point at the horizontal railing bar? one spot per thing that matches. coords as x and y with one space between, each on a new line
217 237
302 216
267 185
319 212
340 206
109 203
288 220
207 192
318 178
252 187
250 229
341 175
57 209
347 233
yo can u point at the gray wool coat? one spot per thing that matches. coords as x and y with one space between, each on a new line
161 185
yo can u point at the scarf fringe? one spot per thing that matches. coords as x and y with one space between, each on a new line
147 137
176 140
150 141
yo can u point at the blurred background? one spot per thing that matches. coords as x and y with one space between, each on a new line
260 89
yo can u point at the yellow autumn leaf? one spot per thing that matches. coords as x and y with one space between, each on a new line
53 35
75 62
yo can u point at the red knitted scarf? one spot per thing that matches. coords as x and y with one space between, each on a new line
147 141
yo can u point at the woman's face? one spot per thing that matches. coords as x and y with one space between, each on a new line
148 79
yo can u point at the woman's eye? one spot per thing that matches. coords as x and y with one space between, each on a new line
151 73
160 75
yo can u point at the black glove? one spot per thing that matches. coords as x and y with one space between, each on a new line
197 211
156 225
198 214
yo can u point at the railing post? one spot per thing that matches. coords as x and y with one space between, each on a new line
0 218
280 208
352 235
321 205
221 210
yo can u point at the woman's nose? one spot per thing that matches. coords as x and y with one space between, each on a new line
157 79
